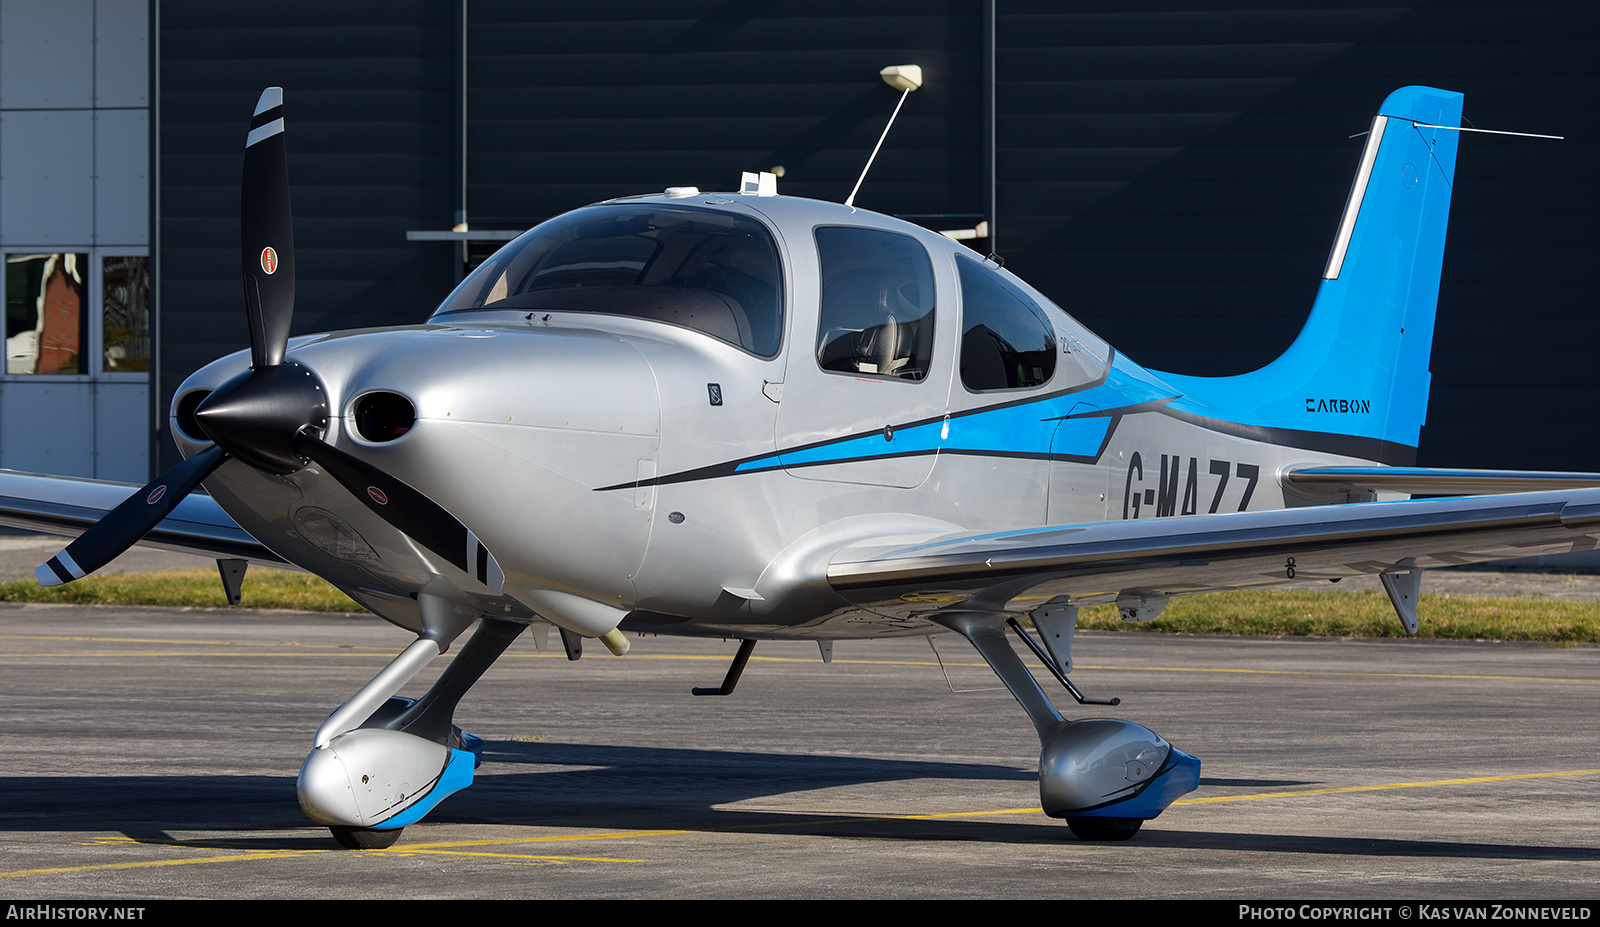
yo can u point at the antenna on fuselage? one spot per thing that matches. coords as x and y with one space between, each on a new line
902 77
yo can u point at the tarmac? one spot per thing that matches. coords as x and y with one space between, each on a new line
152 753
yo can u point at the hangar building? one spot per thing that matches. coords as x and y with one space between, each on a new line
1170 173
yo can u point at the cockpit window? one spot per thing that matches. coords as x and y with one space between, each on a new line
711 271
877 303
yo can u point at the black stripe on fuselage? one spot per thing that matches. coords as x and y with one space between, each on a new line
1389 453
1376 449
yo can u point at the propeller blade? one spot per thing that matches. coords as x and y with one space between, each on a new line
123 526
407 509
267 233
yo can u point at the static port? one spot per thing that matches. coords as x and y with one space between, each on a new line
384 416
184 413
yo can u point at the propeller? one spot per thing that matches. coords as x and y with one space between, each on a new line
272 416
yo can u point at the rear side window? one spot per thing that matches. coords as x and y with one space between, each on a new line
1006 341
877 303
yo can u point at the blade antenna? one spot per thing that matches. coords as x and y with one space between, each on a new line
902 77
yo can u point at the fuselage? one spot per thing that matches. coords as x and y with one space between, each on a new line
687 448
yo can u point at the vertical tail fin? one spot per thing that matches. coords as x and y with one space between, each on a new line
1359 367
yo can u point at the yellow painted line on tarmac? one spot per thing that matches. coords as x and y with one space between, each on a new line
464 847
1383 787
151 863
189 641
1263 672
258 855
195 653
550 859
554 838
368 650
1152 669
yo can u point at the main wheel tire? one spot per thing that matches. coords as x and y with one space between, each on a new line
366 838
1086 828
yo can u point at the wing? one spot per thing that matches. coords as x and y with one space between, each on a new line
1426 481
1154 558
68 506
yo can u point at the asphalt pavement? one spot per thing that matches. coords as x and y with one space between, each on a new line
151 753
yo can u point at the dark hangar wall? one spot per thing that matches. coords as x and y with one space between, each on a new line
1174 177
1171 174
574 103
367 100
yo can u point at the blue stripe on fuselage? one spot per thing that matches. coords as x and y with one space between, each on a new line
1072 423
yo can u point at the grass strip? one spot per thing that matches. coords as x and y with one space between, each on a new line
263 588
1365 614
1277 612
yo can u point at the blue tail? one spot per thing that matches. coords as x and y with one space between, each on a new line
1356 379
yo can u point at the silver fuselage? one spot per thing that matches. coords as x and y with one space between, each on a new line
621 467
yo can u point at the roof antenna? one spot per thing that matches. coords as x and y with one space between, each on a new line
902 77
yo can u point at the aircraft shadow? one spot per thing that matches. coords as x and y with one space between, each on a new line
631 788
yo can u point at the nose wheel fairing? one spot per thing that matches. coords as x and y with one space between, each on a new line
380 779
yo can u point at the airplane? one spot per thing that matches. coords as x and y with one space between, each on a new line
753 416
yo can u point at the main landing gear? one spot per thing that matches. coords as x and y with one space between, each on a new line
1105 777
381 762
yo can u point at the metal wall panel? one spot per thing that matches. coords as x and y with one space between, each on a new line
46 54
121 53
121 431
35 441
46 177
122 177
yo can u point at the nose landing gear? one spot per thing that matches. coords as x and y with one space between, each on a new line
380 762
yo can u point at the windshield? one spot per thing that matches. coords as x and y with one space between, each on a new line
711 271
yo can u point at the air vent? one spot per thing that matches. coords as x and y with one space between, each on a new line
183 412
383 416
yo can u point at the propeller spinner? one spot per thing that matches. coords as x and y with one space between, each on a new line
273 416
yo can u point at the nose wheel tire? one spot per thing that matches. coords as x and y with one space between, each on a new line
366 838
1088 828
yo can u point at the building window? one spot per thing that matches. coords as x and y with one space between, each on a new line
77 313
46 319
125 313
